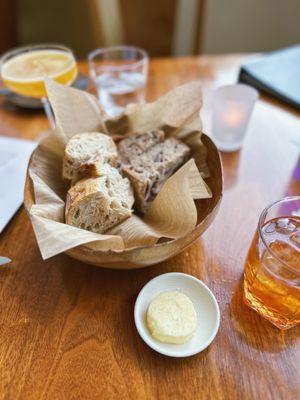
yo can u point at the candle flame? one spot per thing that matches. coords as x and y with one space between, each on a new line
233 117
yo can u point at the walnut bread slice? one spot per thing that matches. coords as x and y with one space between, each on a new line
134 146
85 154
98 204
149 170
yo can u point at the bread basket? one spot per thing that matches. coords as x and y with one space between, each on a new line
150 255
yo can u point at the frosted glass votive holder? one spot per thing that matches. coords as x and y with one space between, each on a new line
231 111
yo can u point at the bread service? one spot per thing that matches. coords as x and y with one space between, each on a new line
178 215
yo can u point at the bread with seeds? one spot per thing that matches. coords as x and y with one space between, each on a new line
86 153
148 169
135 145
98 204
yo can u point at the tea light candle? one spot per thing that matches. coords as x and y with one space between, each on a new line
233 117
232 109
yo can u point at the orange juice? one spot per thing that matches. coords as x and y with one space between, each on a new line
24 73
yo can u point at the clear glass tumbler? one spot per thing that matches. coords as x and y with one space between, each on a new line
119 75
272 270
231 112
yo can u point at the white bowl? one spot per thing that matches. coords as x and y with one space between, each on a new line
205 303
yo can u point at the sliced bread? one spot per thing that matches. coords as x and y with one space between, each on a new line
148 171
98 204
85 153
134 146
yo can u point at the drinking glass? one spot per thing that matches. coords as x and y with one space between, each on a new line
272 270
231 112
119 74
23 71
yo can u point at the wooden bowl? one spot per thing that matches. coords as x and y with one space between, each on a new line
150 255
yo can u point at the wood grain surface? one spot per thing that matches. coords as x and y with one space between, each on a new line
67 329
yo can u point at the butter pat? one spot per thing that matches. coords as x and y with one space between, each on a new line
171 317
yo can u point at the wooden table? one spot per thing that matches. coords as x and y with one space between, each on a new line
67 329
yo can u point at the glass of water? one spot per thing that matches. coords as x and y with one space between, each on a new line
231 112
119 74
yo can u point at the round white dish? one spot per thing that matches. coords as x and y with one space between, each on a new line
205 303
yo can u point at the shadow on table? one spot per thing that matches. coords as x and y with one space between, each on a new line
256 331
112 281
47 291
108 296
230 163
89 306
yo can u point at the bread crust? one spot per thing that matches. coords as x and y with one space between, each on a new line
98 204
135 145
140 187
85 154
149 170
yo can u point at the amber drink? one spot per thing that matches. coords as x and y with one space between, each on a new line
272 270
24 69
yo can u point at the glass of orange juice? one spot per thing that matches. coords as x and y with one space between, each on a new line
23 70
272 270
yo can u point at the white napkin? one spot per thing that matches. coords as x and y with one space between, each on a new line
14 157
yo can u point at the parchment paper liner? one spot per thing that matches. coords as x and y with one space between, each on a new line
173 213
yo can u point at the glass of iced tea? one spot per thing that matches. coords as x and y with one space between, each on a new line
272 270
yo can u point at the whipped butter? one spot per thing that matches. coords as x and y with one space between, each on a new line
171 317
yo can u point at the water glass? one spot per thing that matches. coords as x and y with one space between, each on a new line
119 74
272 270
232 109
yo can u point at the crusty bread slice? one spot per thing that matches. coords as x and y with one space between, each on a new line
85 153
149 170
97 204
134 146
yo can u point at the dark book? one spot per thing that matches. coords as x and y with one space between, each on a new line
277 74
